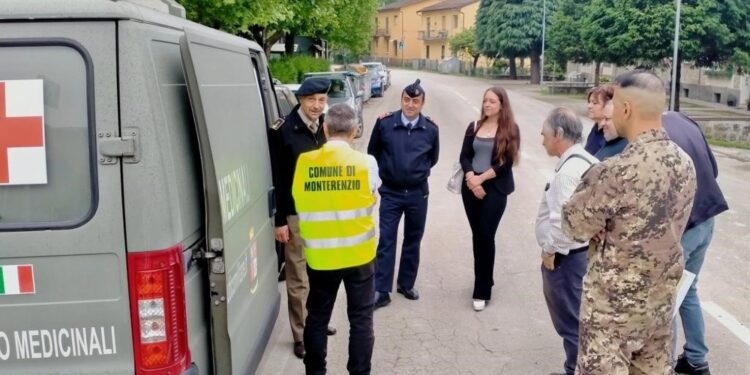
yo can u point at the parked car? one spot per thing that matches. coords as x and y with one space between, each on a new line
286 98
343 91
383 72
365 83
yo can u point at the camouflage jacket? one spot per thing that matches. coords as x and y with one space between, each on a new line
641 200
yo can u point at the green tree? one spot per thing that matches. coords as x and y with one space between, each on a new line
465 43
484 37
512 28
236 16
564 39
354 26
344 23
641 32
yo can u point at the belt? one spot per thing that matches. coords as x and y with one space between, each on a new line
579 250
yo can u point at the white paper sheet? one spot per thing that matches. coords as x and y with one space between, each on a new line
682 288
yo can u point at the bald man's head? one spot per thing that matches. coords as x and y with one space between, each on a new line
639 97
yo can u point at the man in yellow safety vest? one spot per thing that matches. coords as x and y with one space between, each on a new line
334 193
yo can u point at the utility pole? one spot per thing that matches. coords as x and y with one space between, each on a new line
544 30
673 96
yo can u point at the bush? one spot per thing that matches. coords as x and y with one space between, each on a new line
291 69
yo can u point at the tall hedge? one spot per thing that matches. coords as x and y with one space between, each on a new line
290 69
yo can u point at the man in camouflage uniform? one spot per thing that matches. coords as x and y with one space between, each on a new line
636 204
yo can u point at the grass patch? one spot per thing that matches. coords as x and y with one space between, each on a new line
730 144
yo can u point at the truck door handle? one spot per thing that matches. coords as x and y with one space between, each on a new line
271 201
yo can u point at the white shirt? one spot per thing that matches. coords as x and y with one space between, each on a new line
311 124
373 175
567 176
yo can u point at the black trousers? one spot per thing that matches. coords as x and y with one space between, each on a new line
360 293
484 217
412 205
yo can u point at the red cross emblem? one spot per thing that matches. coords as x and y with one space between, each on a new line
24 131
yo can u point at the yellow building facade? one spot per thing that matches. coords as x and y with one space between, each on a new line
424 27
440 22
397 27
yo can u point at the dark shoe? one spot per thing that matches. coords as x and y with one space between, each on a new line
330 331
381 300
299 349
411 294
687 368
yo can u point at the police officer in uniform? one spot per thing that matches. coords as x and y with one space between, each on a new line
333 190
405 144
301 131
638 204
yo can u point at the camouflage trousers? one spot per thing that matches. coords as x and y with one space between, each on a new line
621 341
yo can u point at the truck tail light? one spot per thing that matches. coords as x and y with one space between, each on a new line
157 308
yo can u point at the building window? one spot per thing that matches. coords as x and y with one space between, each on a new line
377 23
442 23
386 24
388 47
455 21
427 52
442 52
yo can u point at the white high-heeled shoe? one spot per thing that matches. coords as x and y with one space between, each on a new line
479 304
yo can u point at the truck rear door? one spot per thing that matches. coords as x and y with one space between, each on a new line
63 277
225 89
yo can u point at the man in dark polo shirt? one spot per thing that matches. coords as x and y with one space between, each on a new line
405 144
709 202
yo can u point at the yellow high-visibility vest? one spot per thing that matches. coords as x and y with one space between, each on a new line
333 200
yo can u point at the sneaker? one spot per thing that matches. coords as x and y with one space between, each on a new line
479 304
687 368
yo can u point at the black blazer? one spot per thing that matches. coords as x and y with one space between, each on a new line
286 143
503 182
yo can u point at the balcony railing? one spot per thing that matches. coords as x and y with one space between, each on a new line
433 35
383 32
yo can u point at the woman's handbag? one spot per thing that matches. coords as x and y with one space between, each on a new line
456 179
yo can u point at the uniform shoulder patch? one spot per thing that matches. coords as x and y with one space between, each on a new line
384 115
431 121
277 124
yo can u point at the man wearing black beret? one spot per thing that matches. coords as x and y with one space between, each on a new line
405 144
301 131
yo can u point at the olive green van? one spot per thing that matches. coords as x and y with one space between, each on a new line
135 192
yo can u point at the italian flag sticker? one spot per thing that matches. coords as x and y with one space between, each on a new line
17 280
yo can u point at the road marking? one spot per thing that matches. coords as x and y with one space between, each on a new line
727 320
462 97
740 224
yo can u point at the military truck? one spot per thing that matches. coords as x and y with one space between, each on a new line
135 192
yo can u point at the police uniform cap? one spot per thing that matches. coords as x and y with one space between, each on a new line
314 85
414 90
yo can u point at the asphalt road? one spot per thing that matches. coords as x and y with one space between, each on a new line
441 334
